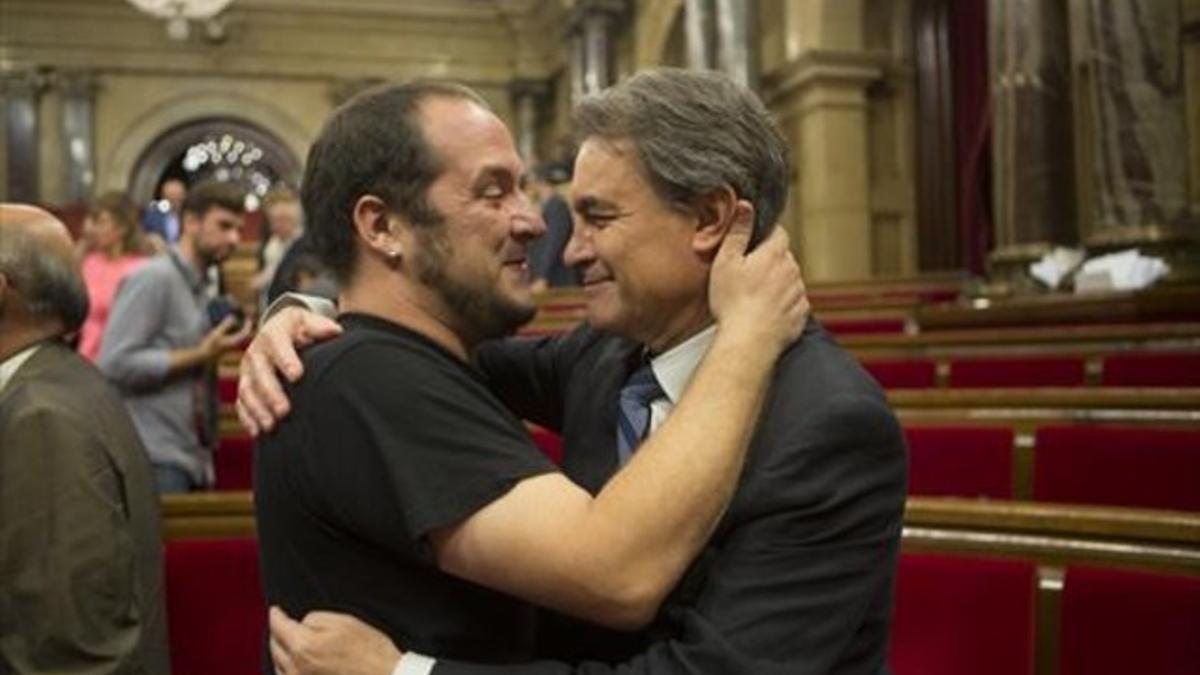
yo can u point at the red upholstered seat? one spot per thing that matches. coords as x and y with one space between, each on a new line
960 461
548 441
1023 371
215 608
1118 466
958 615
234 463
903 373
1152 369
1117 622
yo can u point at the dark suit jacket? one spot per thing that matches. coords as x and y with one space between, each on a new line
80 555
798 577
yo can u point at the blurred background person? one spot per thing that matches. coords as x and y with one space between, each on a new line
161 218
113 247
546 266
80 555
284 226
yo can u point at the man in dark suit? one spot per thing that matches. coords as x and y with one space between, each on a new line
162 219
79 537
798 576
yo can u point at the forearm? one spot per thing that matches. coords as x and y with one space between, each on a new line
135 367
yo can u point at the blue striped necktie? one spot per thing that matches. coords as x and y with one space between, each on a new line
633 416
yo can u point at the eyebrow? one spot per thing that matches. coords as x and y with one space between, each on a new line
592 203
493 172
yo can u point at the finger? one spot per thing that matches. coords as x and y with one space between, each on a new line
315 328
264 382
254 407
737 238
285 629
225 324
246 418
321 619
281 659
280 350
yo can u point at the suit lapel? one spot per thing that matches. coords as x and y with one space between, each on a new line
591 452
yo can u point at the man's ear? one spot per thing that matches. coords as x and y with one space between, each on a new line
373 222
716 212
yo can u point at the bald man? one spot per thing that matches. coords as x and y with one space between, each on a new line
80 556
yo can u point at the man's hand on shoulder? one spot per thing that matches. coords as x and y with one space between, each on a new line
326 643
261 401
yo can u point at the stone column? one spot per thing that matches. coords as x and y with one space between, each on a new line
737 48
821 100
698 31
590 39
1136 107
1034 204
21 91
527 95
78 134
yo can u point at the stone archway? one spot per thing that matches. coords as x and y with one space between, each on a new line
278 161
120 170
654 26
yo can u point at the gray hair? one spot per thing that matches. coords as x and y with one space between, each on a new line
52 286
695 132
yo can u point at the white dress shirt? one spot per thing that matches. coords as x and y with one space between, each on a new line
10 366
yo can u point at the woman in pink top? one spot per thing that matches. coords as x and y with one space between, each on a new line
114 248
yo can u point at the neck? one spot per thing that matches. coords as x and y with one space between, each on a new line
188 253
14 339
681 326
407 304
113 252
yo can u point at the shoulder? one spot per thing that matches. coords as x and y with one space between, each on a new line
150 271
63 387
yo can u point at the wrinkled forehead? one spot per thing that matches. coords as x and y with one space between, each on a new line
608 169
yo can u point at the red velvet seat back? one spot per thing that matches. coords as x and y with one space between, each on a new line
1117 622
227 389
234 463
903 373
548 442
960 461
1023 371
957 615
215 608
1152 369
1142 467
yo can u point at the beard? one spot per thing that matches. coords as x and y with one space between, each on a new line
478 309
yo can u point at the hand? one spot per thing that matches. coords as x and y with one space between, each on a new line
760 294
222 338
326 643
261 401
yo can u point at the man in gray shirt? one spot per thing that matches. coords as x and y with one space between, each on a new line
160 346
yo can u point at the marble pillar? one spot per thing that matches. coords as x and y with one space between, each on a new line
737 48
527 96
698 31
591 28
78 134
1033 180
1132 58
20 92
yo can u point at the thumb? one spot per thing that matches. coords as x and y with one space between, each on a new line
737 238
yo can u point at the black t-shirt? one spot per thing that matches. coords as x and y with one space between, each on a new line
390 437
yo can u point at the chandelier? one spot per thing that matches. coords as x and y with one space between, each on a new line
178 14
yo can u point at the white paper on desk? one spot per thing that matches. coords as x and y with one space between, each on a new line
1126 270
1056 265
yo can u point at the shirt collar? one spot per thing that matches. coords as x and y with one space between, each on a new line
10 366
674 368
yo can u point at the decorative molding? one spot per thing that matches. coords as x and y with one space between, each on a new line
820 67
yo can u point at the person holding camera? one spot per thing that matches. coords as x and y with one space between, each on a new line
165 335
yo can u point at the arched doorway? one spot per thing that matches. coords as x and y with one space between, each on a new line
224 148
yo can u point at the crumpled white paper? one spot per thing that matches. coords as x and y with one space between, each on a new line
1056 265
1122 271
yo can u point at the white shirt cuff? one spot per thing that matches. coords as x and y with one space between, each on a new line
412 663
313 303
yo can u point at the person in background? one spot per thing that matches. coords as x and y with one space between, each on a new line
114 247
81 587
161 345
281 210
546 266
161 220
